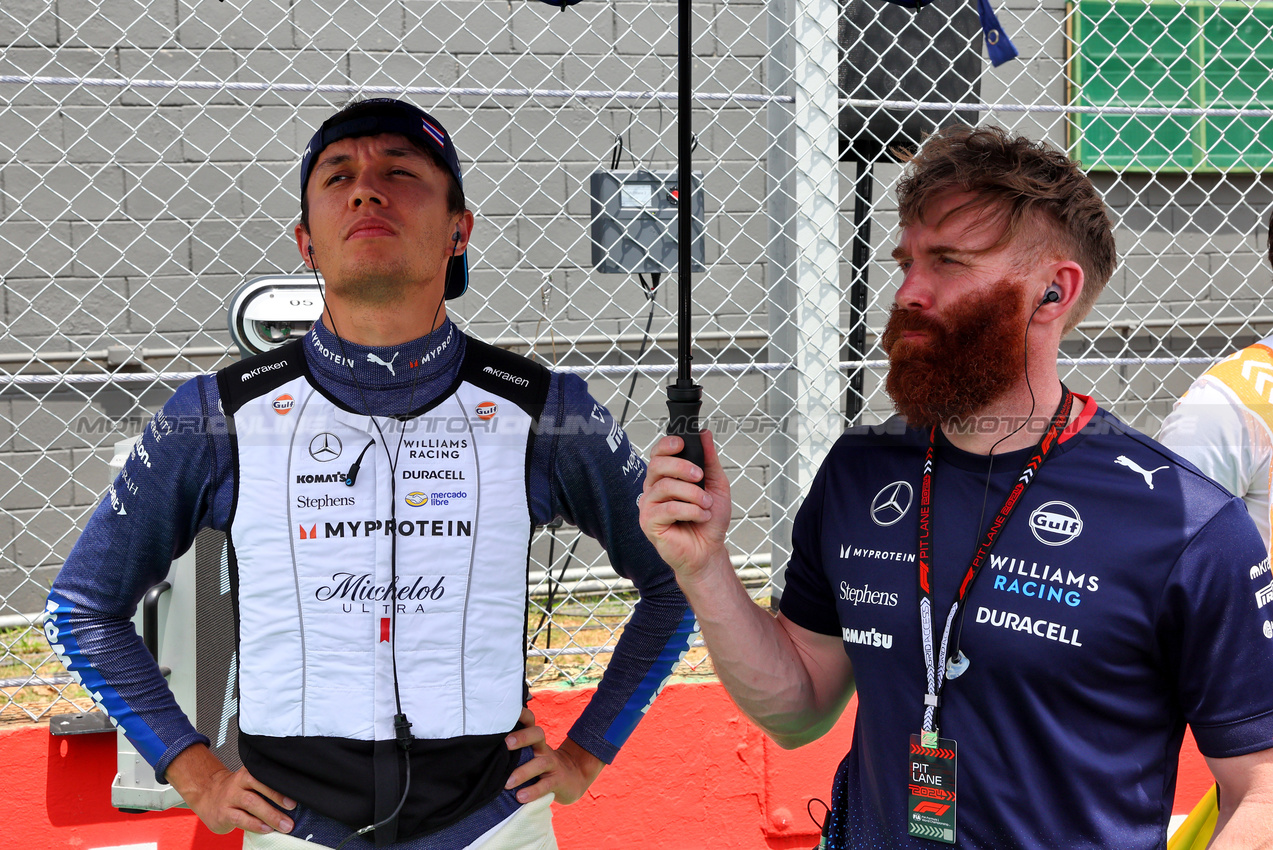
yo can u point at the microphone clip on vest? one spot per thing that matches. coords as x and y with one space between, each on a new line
352 476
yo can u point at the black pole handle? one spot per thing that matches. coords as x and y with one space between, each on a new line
684 402
150 618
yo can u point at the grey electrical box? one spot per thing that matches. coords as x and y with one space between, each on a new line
634 221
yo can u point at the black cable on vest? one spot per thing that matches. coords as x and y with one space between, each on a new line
401 726
351 477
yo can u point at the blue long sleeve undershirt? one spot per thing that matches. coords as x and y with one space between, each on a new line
181 479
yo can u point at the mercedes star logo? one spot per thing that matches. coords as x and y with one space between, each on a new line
891 503
324 447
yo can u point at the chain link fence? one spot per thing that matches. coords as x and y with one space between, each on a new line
148 159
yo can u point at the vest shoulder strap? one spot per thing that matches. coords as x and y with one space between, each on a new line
241 382
517 378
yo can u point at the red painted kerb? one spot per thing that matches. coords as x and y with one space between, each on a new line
696 774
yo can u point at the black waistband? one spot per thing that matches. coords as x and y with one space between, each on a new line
450 779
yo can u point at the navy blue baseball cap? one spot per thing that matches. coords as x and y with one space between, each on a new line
386 115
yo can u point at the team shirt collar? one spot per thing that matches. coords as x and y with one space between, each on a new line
382 367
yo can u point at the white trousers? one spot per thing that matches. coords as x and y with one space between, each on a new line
529 828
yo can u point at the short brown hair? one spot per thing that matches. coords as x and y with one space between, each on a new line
1028 183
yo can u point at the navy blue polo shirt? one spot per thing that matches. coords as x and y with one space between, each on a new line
1128 596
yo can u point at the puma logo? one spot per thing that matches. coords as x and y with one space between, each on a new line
388 365
1147 474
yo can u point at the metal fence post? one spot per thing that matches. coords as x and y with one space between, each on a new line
817 186
784 489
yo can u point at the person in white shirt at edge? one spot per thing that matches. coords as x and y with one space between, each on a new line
1224 424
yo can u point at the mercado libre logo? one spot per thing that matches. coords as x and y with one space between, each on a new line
417 499
283 404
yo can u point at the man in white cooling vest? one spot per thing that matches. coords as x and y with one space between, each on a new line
379 481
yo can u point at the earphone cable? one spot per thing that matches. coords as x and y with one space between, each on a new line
985 493
402 727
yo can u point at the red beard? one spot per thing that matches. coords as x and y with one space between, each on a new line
969 359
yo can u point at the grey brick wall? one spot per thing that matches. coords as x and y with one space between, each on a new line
128 215
1191 247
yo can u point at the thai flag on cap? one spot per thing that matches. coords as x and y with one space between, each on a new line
438 135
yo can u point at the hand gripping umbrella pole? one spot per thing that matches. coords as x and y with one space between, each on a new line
684 398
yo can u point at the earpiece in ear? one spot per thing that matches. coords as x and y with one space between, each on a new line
1052 294
455 237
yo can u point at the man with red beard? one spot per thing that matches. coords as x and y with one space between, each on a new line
1030 598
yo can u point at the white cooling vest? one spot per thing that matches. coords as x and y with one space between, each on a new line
314 557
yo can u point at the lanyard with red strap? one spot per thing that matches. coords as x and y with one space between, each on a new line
937 673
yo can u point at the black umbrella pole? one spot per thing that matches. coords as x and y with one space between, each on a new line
684 398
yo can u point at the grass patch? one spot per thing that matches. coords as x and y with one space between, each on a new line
577 627
24 654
